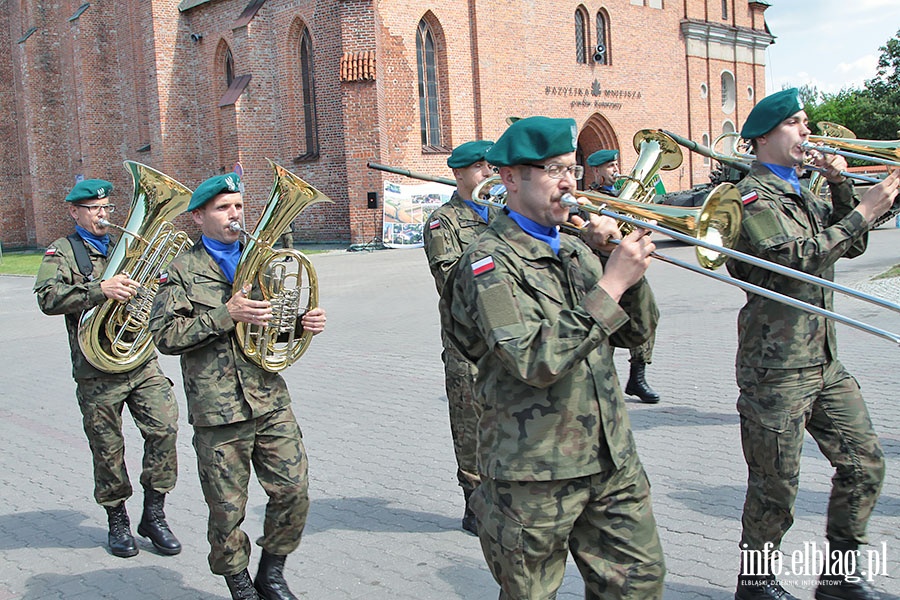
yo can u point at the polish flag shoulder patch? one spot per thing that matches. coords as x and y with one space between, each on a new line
434 224
749 198
50 251
163 277
483 266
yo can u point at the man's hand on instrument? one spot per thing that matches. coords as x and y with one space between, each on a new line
244 310
627 263
879 198
119 287
597 230
833 165
314 320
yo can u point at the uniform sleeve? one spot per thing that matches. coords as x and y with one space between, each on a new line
176 326
843 200
777 237
61 288
442 248
639 303
538 345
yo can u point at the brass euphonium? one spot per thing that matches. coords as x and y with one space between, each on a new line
114 336
284 277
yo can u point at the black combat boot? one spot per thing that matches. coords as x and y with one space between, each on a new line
638 386
269 582
153 524
121 542
761 588
241 587
469 522
836 583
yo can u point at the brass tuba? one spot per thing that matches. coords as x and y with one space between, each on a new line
114 336
284 277
656 150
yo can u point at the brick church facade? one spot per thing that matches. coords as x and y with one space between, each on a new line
198 87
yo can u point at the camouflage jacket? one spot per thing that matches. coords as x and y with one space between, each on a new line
190 319
449 230
802 232
540 332
62 290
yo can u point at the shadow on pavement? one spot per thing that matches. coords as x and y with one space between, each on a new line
372 514
111 583
49 529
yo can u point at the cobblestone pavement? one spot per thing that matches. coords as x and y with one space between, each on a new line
385 513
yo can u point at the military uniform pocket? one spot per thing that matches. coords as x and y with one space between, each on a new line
493 521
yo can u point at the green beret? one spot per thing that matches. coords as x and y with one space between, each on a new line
212 187
770 111
601 157
533 139
468 153
88 189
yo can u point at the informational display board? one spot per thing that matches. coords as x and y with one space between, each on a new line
406 210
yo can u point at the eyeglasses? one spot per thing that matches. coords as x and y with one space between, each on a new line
96 208
558 171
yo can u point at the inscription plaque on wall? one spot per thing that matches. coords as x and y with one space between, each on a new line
595 96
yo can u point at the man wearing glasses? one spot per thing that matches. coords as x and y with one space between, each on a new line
68 283
539 314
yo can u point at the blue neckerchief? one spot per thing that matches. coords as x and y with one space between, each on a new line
101 243
478 208
225 255
788 174
536 230
608 189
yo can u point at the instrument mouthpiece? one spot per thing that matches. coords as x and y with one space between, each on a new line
104 223
234 226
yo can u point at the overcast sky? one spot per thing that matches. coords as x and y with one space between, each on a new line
831 44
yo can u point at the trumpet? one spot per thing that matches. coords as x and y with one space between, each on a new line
484 194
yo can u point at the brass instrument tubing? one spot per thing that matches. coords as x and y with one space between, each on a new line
569 200
848 154
105 223
771 295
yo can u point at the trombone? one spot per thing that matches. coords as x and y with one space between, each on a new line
720 219
739 156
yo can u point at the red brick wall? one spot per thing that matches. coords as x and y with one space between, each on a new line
92 92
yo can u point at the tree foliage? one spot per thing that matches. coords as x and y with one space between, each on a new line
872 112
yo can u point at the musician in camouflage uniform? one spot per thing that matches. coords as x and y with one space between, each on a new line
68 285
241 413
539 314
450 229
604 165
787 365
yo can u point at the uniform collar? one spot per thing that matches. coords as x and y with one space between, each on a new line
527 247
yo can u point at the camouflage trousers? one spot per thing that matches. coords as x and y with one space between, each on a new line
459 380
776 405
152 405
273 444
644 352
606 521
